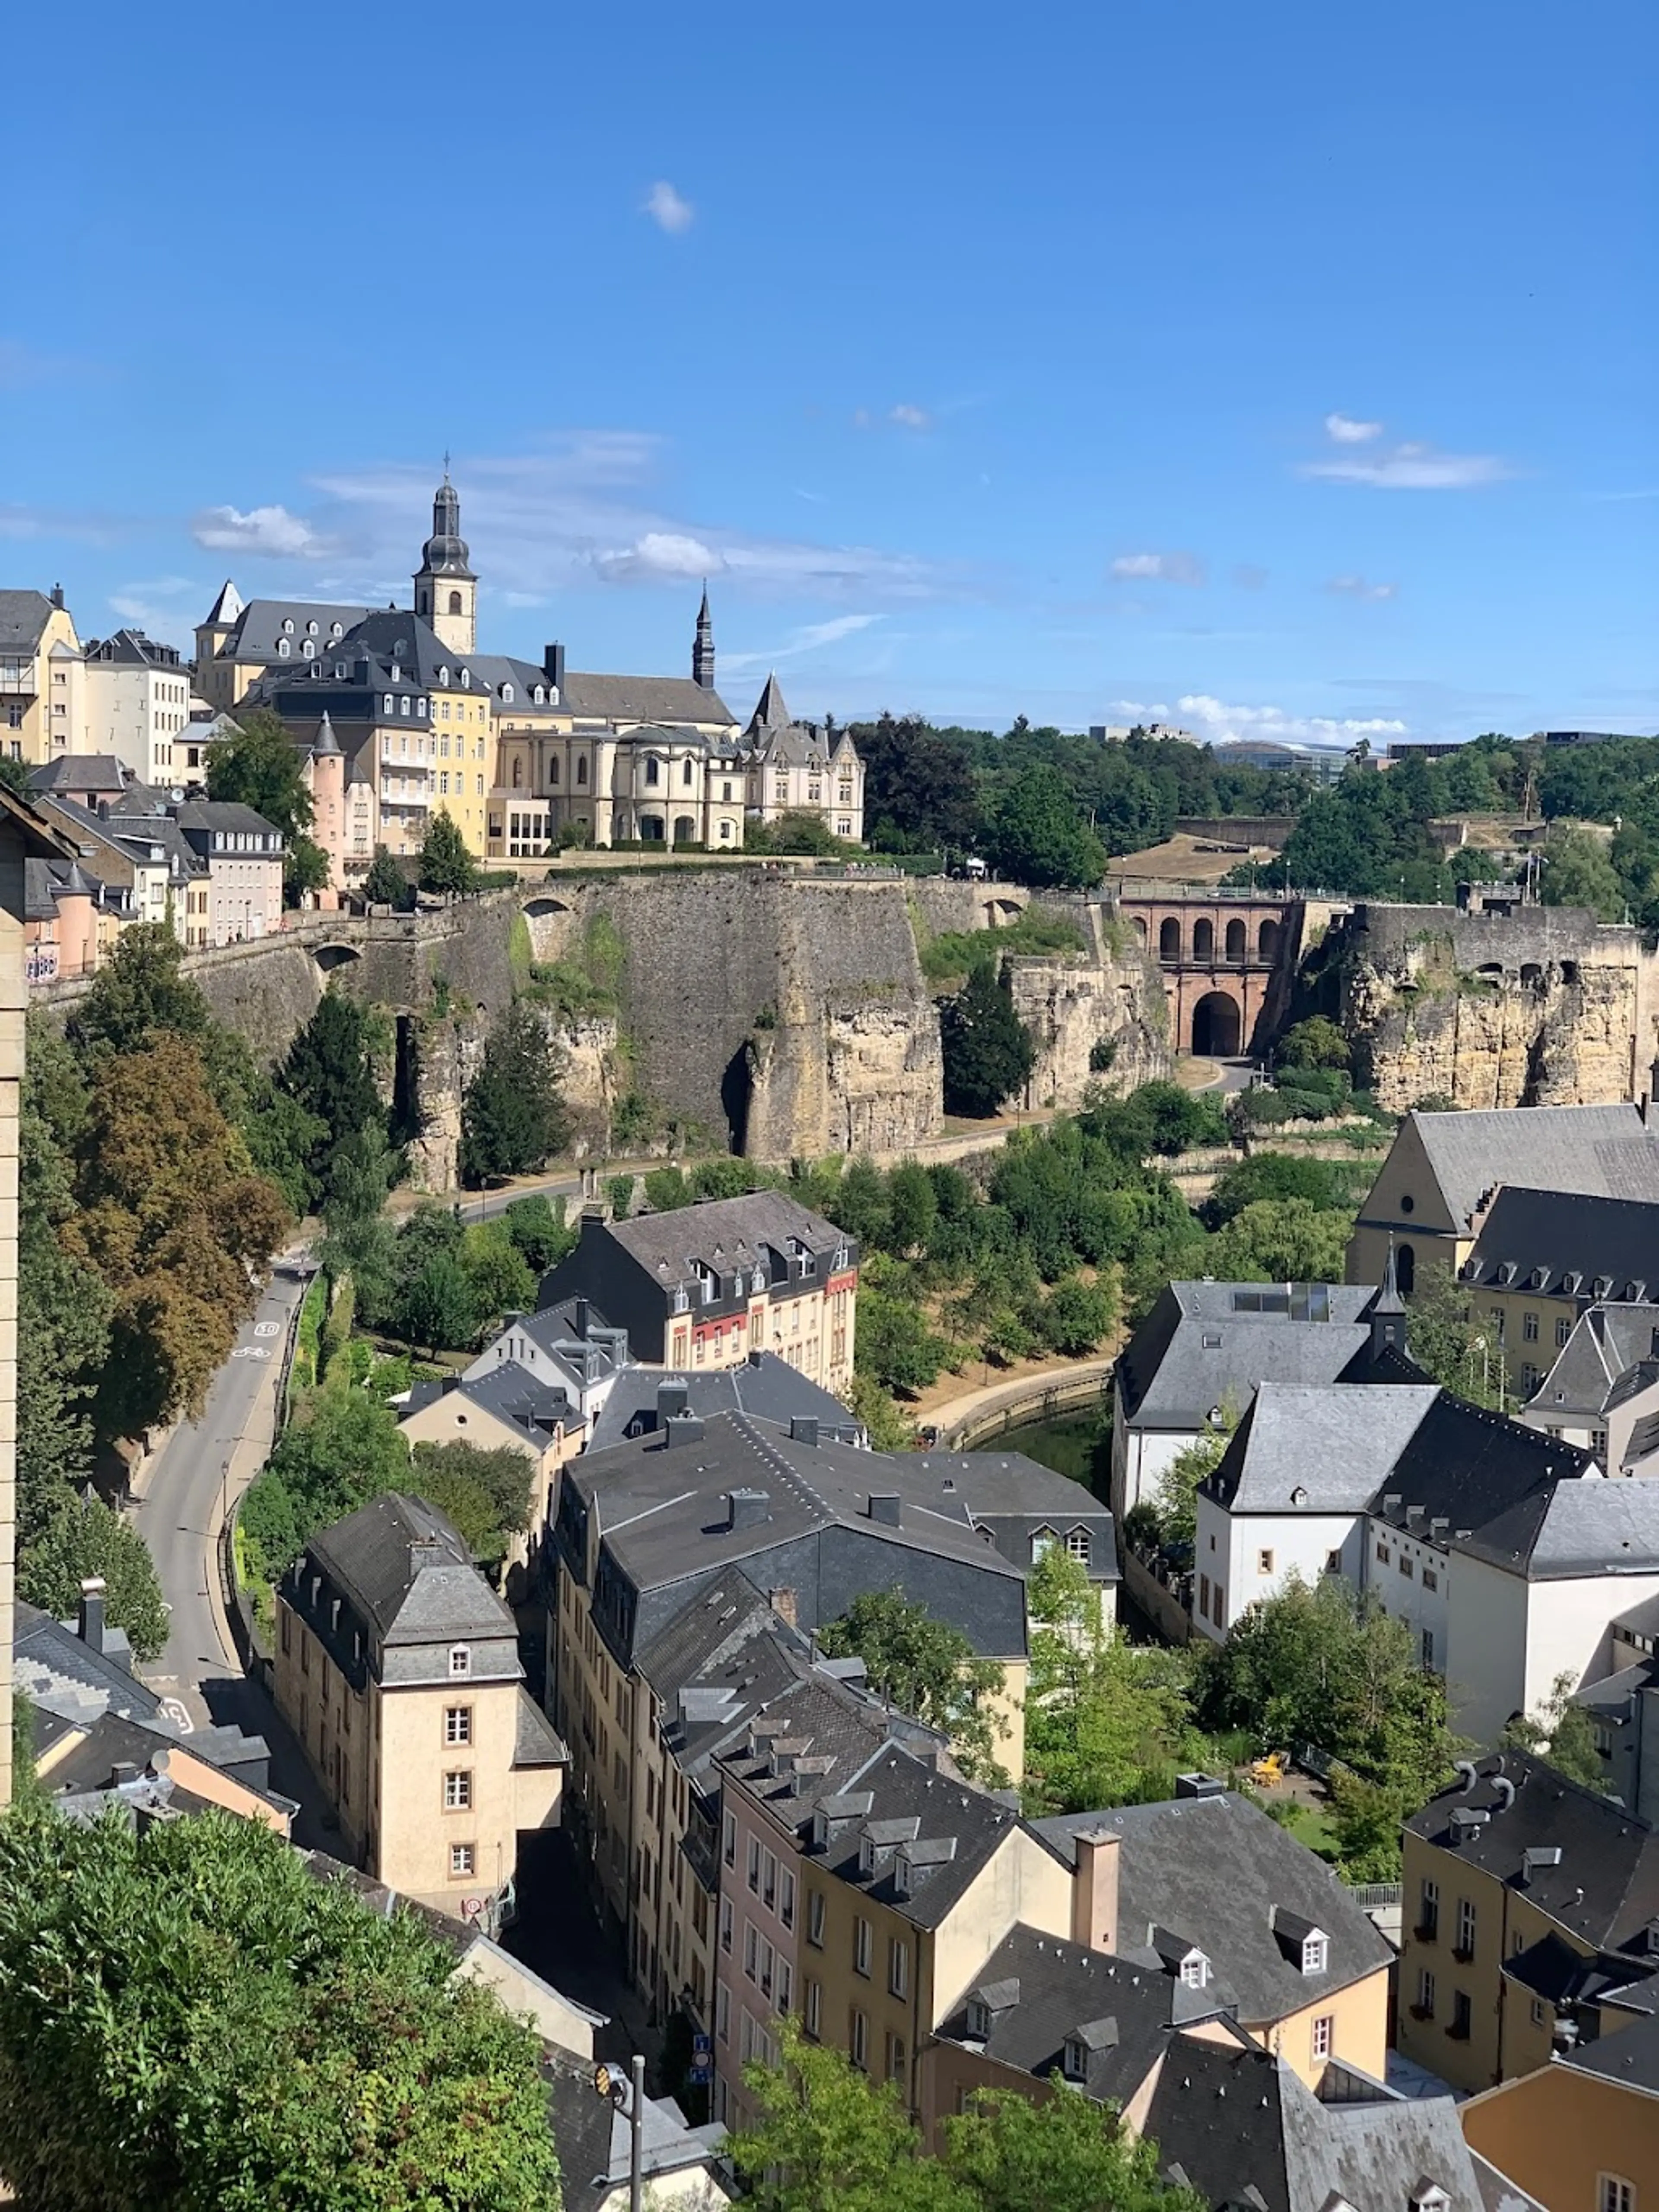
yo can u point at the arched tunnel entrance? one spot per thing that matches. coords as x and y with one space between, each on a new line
1216 1026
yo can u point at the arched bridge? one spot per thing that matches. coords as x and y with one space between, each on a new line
1217 951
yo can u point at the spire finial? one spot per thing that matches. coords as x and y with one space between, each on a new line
446 465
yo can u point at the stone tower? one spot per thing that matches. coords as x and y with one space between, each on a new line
703 650
445 589
326 773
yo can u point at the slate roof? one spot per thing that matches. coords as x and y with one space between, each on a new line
671 699
77 772
408 1573
59 1671
1489 1479
536 1741
899 1787
1049 1989
1597 1529
1203 1343
766 1387
1567 1244
1317 1450
1606 1343
1597 1151
1216 1871
259 625
396 635
1630 2058
1604 1890
228 816
131 648
665 1526
509 1392
23 617
725 1233
1240 2127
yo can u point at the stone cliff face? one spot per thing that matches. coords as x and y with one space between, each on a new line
1544 1006
1111 996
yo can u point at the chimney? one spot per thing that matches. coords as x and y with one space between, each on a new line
90 1625
803 1429
58 595
784 1604
672 1398
747 1509
682 1429
885 1507
553 667
1094 1890
579 1318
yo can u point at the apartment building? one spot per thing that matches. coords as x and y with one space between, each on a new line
1444 1170
1582 2134
504 1408
1544 1257
1599 1386
706 1285
397 1669
138 704
43 711
1532 1922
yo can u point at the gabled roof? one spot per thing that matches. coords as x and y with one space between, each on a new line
1568 1244
77 772
23 618
1630 2058
66 1676
1603 1889
765 1387
958 1831
1488 1480
1203 1343
1596 1151
1220 1874
1606 1341
258 627
1327 1450
669 699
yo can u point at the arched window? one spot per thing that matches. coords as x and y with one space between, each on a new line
1267 941
581 769
454 602
653 769
467 673
1404 1269
306 648
1234 940
687 776
287 625
1168 940
1204 939
282 646
390 704
443 676
540 696
336 630
553 771
506 695
310 629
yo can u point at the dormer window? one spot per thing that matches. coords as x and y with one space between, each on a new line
287 625
306 648
460 1660
443 676
310 628
336 630
390 704
867 1856
466 679
1315 1950
282 648
1194 1971
539 694
820 1830
1074 2060
1042 1542
1077 1544
507 693
978 2018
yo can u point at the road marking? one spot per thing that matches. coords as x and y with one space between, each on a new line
266 1328
175 1711
250 1352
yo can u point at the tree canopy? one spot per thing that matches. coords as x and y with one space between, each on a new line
1037 836
191 2021
924 1666
84 1538
513 1118
263 768
988 1052
445 864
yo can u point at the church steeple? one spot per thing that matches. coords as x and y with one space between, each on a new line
703 650
445 589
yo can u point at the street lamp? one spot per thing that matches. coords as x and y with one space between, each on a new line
630 2098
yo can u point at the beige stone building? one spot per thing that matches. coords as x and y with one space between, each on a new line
802 768
137 705
397 1669
1582 2134
43 706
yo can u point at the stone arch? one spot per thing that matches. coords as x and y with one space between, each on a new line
1000 912
1267 941
1236 940
685 829
1218 1026
1204 939
330 956
1404 1269
549 922
1139 922
1168 939
1531 976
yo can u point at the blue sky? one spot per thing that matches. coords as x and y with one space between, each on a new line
1278 369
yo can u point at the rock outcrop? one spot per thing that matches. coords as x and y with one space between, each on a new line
1104 1005
1543 1006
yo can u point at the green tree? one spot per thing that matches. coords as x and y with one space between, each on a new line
1178 1485
1562 1733
445 864
263 768
1037 836
282 1140
465 1503
924 1666
85 1538
189 2018
386 884
1451 1343
437 1307
826 2138
1009 2154
540 1232
1273 1176
889 1429
894 1344
988 1052
362 1169
343 1447
1315 1042
1578 871
499 1274
513 1119
1076 1316
306 868
505 1475
913 1208
1283 1240
139 991
329 1071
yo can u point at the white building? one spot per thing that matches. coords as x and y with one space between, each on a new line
138 704
1204 1349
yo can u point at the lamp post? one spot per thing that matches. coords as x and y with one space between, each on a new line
628 2097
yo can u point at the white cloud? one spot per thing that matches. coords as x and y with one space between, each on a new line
1163 567
660 553
1356 588
910 418
1346 431
1413 467
268 532
582 509
667 210
1217 721
810 638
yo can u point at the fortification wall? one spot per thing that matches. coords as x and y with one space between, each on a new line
1542 1007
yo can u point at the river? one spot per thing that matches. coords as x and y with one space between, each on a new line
1077 1445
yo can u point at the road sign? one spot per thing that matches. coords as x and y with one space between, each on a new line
471 1908
701 2046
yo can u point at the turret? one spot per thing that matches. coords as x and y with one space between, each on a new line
703 649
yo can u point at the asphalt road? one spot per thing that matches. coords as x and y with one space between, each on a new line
203 1464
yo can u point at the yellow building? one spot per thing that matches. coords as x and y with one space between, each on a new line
1528 1906
1543 1257
397 1669
43 711
1582 2134
501 1407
